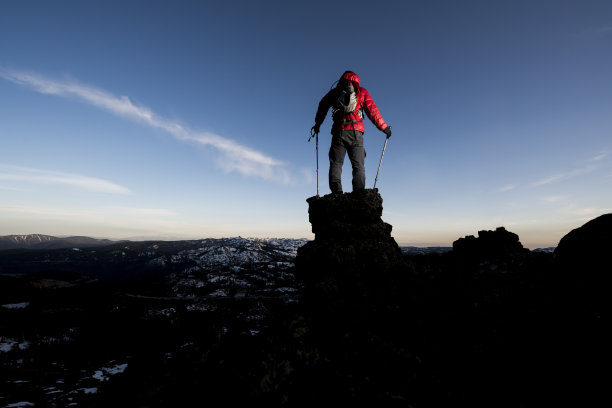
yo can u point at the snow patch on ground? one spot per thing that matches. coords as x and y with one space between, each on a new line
104 373
7 344
21 305
219 293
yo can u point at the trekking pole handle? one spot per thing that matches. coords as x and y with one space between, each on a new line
312 134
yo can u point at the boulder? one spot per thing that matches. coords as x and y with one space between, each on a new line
583 263
585 249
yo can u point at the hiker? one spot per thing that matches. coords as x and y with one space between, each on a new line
348 101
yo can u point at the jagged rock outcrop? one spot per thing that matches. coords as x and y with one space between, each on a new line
353 253
498 243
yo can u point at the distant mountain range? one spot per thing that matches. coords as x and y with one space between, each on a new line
133 259
39 241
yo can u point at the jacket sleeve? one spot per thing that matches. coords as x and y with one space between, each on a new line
324 105
372 111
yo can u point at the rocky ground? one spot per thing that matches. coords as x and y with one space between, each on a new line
346 322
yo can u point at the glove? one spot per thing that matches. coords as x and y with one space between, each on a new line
387 131
315 128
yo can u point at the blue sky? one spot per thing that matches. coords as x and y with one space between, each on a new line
190 119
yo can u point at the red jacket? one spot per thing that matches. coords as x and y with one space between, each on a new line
354 119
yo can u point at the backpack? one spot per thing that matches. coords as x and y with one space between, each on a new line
347 100
345 103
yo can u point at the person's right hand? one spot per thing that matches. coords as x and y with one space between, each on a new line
315 129
387 131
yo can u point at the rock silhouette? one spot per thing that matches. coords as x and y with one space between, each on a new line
584 250
582 265
489 244
488 324
483 325
354 275
353 255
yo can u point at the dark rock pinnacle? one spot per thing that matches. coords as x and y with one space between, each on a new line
353 252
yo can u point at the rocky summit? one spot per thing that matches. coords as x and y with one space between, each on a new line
353 246
349 234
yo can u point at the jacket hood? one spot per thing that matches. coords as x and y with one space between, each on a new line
351 77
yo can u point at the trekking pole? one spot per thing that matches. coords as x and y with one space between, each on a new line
380 162
316 135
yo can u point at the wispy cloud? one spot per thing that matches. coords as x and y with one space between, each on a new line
554 199
10 188
599 157
12 210
606 29
506 188
136 211
107 213
307 175
563 176
48 177
234 156
602 31
594 33
583 211
114 221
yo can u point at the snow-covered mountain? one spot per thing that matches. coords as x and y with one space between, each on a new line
228 252
24 240
135 259
40 241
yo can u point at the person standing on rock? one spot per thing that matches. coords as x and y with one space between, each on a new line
348 101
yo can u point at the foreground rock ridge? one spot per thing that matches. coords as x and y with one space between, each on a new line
342 320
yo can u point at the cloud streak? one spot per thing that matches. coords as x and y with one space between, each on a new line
563 176
48 177
506 188
142 212
599 157
109 214
583 211
112 222
554 199
234 156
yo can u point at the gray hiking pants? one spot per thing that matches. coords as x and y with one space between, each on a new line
351 142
